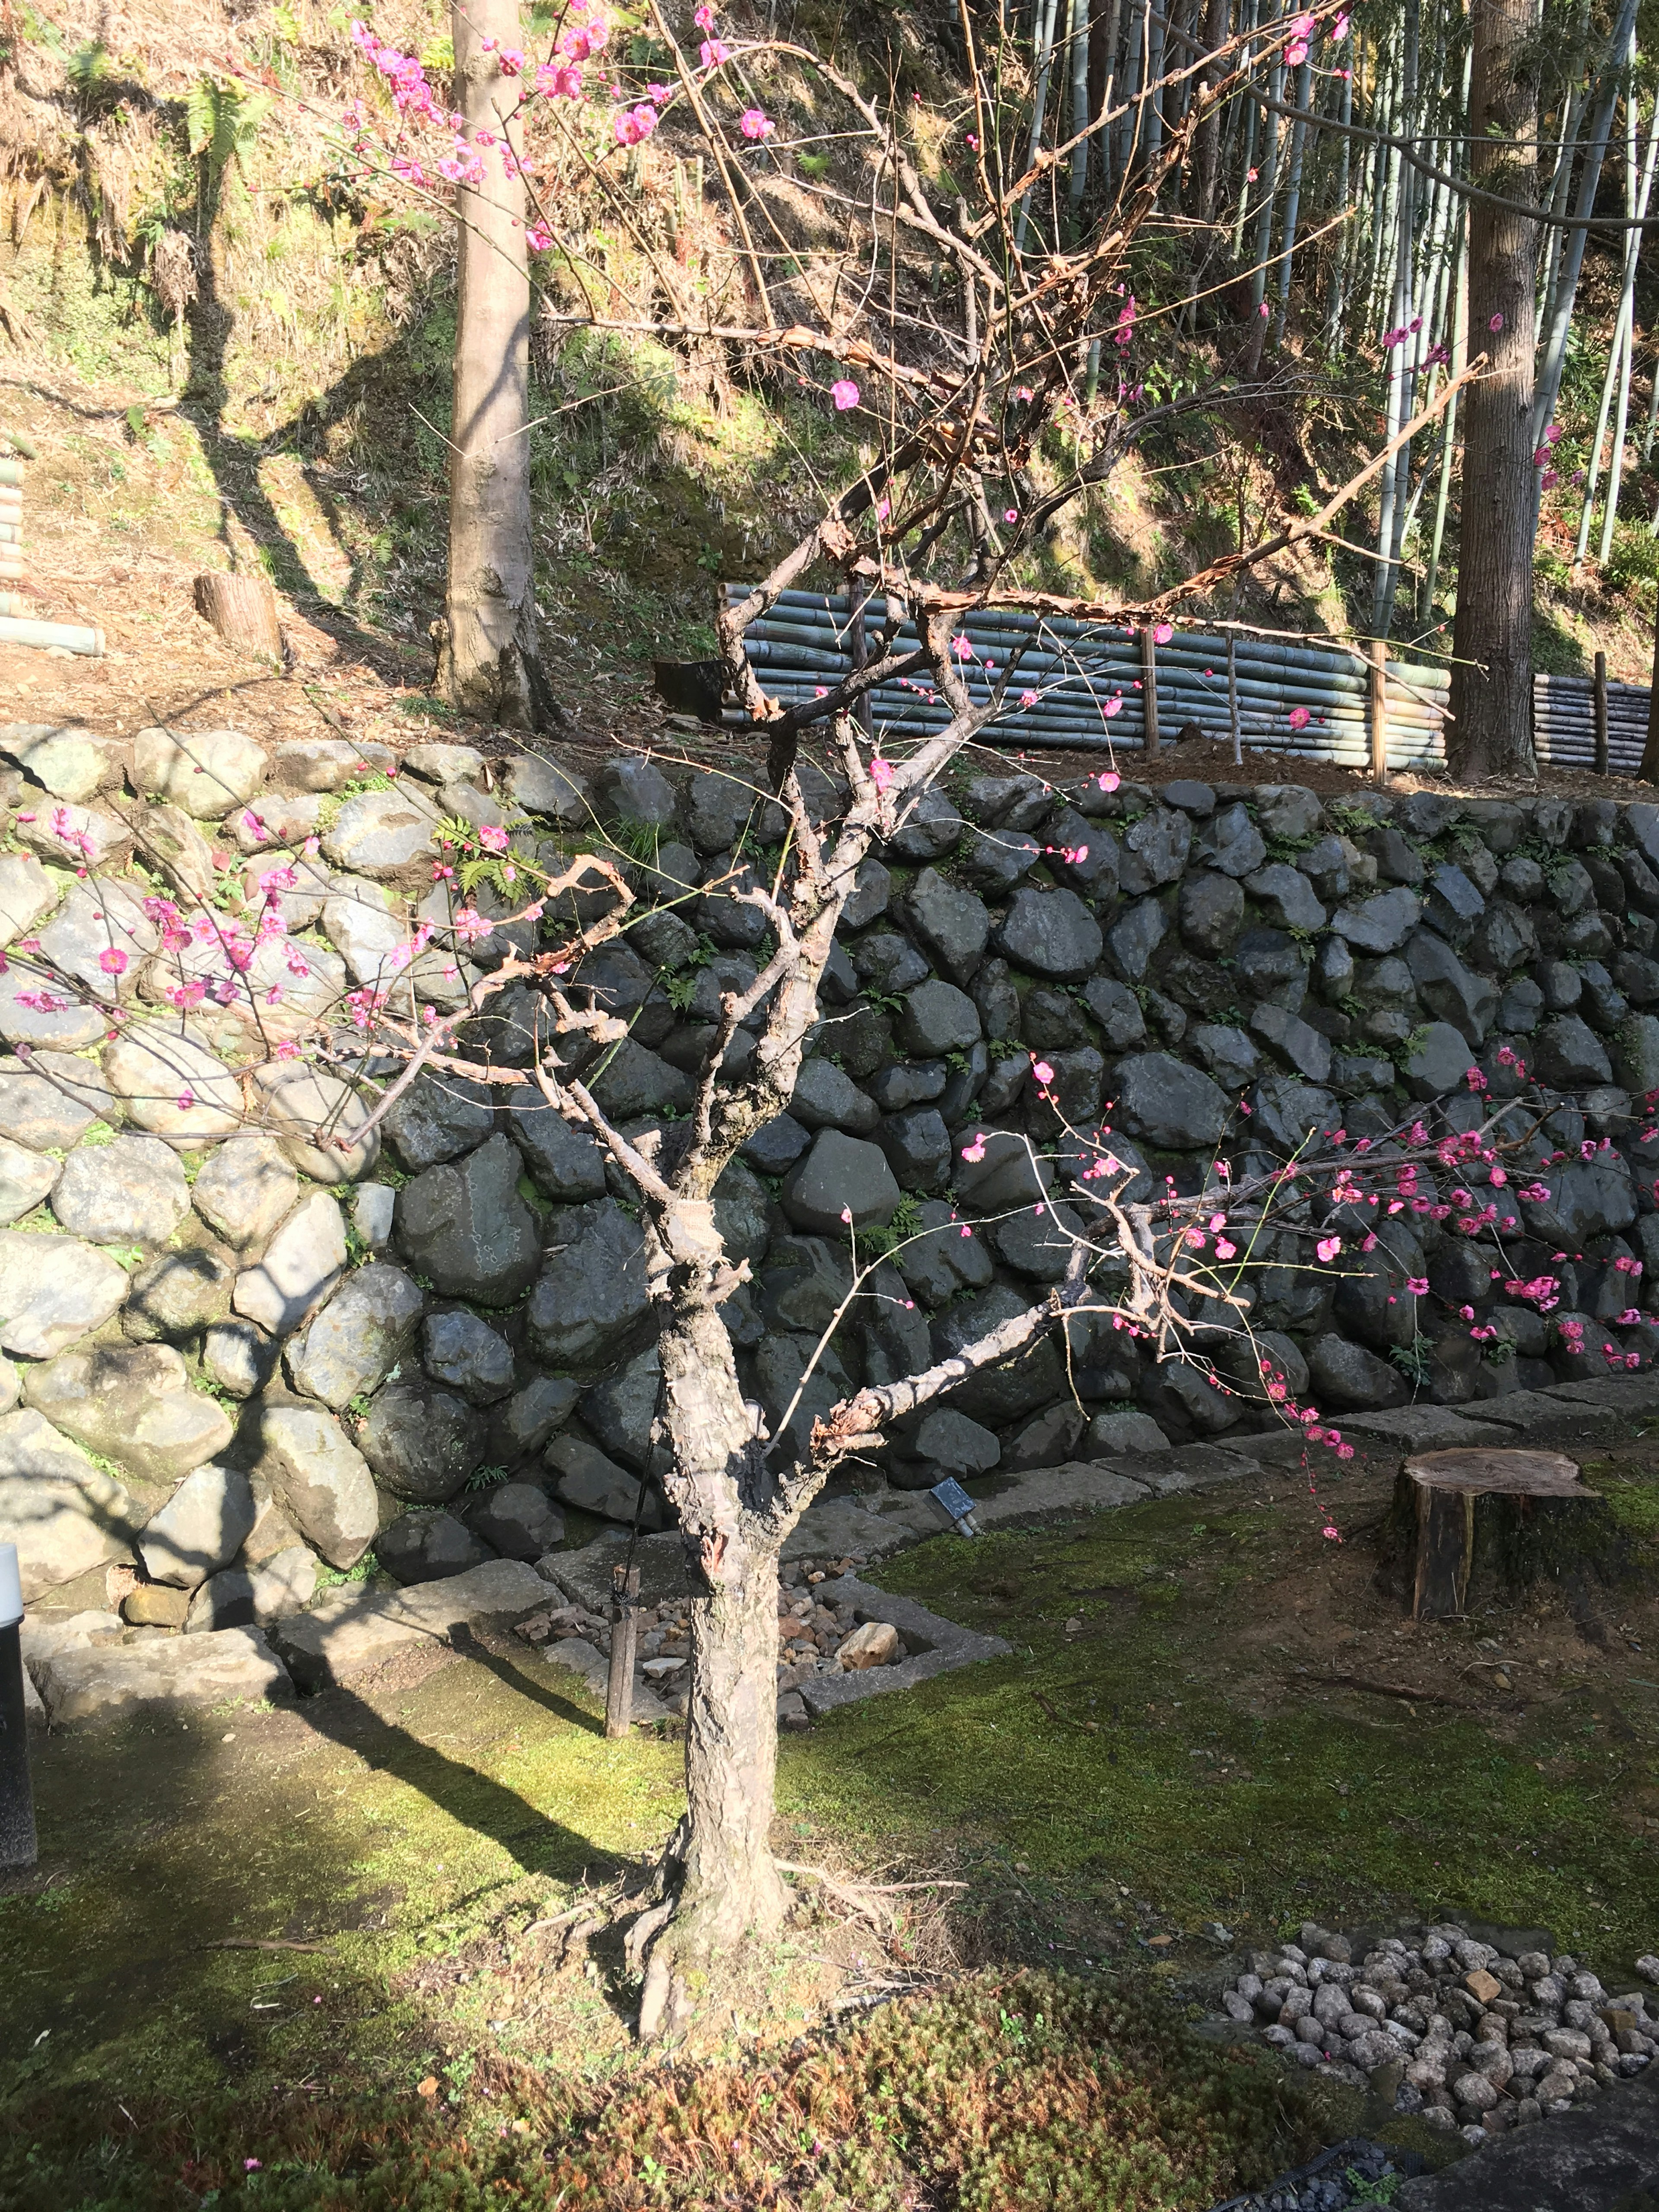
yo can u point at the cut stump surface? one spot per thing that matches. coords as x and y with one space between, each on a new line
1508 1519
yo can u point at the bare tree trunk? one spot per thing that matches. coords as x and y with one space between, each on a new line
729 1889
1491 733
487 662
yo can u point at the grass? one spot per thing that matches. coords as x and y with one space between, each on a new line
1186 1747
1172 1742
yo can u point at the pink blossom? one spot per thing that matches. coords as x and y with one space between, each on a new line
1496 323
976 1150
1028 698
492 838
1296 54
1163 633
1329 1247
755 125
881 772
966 1230
1110 781
1340 29
1108 707
1011 514
1042 1072
287 1050
186 1100
43 1002
845 394
113 960
704 17
1299 718
470 925
712 53
1224 1250
634 124
1417 1285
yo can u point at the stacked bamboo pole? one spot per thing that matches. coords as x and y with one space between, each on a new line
17 626
1564 719
1075 684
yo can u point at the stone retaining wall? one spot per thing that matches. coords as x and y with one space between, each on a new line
240 1355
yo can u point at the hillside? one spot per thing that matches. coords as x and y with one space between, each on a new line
228 355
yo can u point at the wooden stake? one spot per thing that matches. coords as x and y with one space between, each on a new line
1149 688
624 1638
1379 713
1601 700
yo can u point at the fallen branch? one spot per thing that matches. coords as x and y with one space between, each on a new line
1388 1690
261 1943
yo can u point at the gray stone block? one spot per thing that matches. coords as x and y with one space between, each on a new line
1174 1107
591 1291
201 1528
302 1264
439 1117
422 1442
356 1341
132 1403
245 1188
463 1352
320 1480
1051 933
425 1548
841 1174
466 1228
109 1682
66 1515
952 922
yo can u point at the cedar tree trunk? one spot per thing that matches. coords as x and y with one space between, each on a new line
1491 733
487 663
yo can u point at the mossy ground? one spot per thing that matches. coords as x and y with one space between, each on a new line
1208 1714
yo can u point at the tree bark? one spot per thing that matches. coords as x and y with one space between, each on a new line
1491 732
1492 1525
733 1513
243 610
487 660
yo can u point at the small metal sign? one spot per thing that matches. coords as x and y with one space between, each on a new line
954 1501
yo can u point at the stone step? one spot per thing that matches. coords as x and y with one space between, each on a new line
82 1682
353 1630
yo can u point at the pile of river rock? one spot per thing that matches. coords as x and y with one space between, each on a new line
817 1634
1473 2038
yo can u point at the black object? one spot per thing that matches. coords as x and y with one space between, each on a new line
1340 2156
18 1843
690 687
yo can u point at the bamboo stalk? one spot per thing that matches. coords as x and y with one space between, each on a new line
1628 318
1554 353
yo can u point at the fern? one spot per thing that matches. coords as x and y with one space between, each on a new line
222 122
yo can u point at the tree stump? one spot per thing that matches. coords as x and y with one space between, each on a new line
243 610
1502 1520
